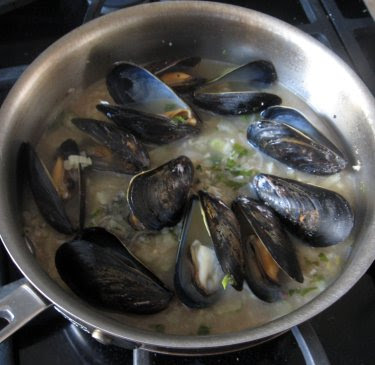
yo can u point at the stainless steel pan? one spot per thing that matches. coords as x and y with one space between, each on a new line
150 32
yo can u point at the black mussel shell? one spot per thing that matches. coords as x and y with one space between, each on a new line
237 91
293 148
132 154
157 197
128 83
319 216
159 67
148 127
236 103
103 277
101 237
50 204
226 237
186 287
297 120
259 222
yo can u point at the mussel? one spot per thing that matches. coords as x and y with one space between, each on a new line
175 72
225 234
153 128
239 91
198 274
268 254
157 197
117 150
50 191
319 216
294 148
99 269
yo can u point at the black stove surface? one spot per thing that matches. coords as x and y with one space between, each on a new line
346 330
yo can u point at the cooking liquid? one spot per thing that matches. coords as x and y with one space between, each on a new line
224 163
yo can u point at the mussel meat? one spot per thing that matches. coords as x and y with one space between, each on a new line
117 150
319 216
99 269
293 148
149 127
268 253
157 197
239 91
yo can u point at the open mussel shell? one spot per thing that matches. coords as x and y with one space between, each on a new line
131 84
226 237
176 72
152 128
297 120
157 197
124 153
319 216
239 91
294 148
196 280
268 245
47 198
106 277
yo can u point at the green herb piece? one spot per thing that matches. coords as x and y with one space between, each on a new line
233 184
244 117
230 164
304 291
170 107
217 145
96 213
227 279
198 167
240 150
316 278
179 119
323 257
309 262
157 327
203 330
247 173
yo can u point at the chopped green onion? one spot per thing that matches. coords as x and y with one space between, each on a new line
227 279
230 164
240 150
170 107
203 330
158 327
304 291
217 145
309 262
323 257
316 278
179 119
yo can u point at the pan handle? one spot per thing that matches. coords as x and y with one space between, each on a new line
19 303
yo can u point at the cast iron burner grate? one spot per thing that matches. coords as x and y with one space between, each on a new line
346 27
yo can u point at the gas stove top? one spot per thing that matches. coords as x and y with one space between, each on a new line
343 334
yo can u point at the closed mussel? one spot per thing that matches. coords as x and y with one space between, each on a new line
290 138
148 127
239 91
268 253
116 150
100 270
317 215
157 197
